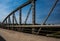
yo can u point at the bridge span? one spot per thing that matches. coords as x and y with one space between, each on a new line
12 23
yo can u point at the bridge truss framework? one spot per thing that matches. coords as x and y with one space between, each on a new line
12 23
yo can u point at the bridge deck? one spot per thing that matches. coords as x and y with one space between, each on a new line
32 25
10 35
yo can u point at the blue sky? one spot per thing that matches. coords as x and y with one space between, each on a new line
42 9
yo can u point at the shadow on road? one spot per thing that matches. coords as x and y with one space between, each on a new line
2 39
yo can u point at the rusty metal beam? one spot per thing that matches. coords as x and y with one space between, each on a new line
51 11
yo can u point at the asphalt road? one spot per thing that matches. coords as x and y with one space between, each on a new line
9 35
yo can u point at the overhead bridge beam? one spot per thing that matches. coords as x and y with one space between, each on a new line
21 6
50 11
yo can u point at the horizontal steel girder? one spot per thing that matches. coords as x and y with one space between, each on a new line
32 26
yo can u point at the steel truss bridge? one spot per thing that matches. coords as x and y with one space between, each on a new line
11 22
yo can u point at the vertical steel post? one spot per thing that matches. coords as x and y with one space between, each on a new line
13 18
6 21
20 17
9 20
33 11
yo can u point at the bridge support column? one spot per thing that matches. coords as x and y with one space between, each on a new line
33 31
9 20
13 18
20 17
6 21
33 11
